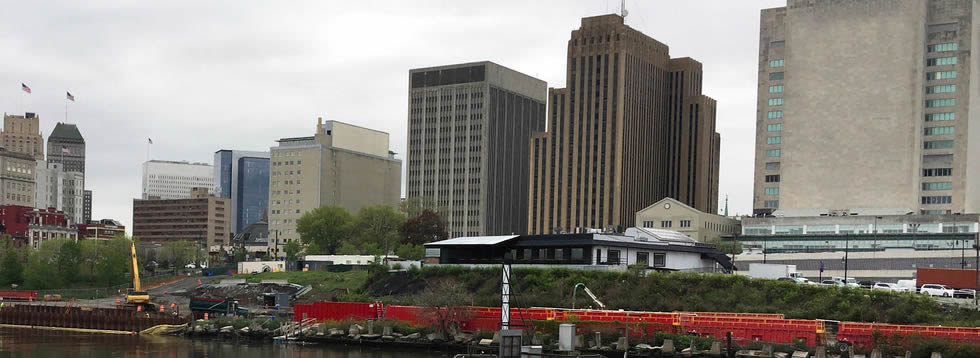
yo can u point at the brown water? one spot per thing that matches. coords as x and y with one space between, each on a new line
17 342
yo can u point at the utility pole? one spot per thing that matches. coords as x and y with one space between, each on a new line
846 251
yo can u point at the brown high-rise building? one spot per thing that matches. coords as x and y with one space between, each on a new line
203 218
22 134
630 128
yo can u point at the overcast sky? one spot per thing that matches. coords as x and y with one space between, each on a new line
199 76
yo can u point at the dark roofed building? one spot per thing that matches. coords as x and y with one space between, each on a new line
661 250
66 145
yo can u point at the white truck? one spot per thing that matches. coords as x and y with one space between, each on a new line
774 271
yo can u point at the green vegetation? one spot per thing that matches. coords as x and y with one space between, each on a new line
325 285
64 263
676 291
374 230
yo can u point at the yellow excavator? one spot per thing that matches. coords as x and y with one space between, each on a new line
136 295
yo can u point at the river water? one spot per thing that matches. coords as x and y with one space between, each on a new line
23 342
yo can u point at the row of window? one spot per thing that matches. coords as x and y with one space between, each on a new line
775 101
776 63
937 172
774 140
776 76
940 75
939 130
941 185
945 102
776 89
777 127
772 166
943 116
772 191
771 204
941 61
667 223
772 153
937 199
775 114
940 89
772 178
949 46
938 144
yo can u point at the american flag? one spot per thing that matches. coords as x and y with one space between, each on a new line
150 140
25 88
65 150
70 97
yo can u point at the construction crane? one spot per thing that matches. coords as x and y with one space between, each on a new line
137 296
588 292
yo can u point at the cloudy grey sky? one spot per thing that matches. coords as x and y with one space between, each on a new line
199 76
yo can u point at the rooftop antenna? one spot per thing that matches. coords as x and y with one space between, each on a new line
726 204
622 7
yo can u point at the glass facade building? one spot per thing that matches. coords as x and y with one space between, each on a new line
243 177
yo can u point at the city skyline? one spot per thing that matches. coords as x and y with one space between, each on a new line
165 84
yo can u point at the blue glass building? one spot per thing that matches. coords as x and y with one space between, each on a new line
243 177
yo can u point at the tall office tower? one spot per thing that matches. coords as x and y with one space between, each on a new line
164 179
243 177
16 178
66 146
468 131
22 134
631 128
867 104
342 164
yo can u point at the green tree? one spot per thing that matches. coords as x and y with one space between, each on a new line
312 249
180 253
348 248
114 262
328 226
238 254
370 248
427 227
11 268
69 260
410 252
413 207
291 249
379 225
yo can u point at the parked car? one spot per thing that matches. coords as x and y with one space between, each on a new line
965 293
191 266
885 286
801 280
932 289
831 283
908 285
866 284
850 281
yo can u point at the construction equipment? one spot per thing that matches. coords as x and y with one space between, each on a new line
588 292
136 295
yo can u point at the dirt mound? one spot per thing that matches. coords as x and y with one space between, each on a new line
245 293
397 284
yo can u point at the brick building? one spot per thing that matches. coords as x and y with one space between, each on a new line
203 217
33 226
104 229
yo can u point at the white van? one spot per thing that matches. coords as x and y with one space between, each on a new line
907 285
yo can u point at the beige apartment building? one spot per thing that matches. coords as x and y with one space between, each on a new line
22 134
203 218
341 164
17 183
630 128
867 106
671 214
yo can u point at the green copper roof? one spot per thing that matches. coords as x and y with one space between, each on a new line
66 131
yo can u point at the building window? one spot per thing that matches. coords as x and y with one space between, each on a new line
939 130
772 191
771 204
942 185
937 172
940 89
938 144
949 46
775 76
666 223
775 114
933 212
659 259
940 75
778 127
577 253
772 166
945 102
648 223
643 258
685 223
944 116
941 61
776 89
776 63
775 101
772 153
774 140
772 178
937 200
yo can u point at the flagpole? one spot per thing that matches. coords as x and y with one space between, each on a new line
66 108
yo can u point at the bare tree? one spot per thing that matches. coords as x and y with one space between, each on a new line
444 304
